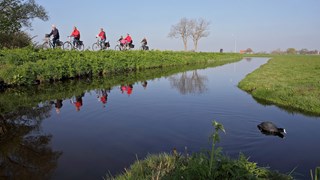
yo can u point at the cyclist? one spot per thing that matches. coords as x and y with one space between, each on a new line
144 43
122 41
103 37
128 40
56 36
76 36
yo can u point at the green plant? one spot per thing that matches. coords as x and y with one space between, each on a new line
215 139
316 175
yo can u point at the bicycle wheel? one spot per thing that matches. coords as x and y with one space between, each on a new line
59 45
80 47
117 48
95 47
46 45
67 46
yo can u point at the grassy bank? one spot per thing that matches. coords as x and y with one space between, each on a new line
292 82
26 66
211 164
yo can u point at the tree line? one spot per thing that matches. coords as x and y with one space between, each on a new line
294 51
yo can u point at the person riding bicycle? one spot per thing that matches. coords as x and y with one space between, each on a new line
76 36
103 37
122 41
128 40
144 43
56 36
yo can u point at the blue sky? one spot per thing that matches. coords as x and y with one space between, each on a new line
263 25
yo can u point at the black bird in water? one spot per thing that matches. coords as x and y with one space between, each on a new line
268 128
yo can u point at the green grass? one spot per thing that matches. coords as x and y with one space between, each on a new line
292 82
211 164
27 66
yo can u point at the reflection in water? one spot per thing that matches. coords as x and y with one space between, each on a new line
248 59
24 152
102 96
126 89
189 83
144 84
77 102
58 105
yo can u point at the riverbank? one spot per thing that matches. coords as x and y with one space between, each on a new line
28 66
289 81
209 164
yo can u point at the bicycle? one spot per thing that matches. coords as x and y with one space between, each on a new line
144 47
48 43
123 47
68 45
100 46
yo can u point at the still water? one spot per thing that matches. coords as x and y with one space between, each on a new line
92 132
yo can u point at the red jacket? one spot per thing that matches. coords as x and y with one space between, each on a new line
76 33
128 39
102 35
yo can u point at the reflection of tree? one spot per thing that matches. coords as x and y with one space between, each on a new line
24 152
189 83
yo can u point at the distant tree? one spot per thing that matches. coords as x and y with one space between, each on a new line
303 51
291 51
199 29
277 51
249 50
181 30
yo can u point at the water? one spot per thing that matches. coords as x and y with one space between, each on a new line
175 111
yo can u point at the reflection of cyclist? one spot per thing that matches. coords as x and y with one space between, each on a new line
129 89
78 102
56 36
58 105
103 37
144 84
104 97
123 88
76 36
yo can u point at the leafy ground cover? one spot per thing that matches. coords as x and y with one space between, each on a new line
28 66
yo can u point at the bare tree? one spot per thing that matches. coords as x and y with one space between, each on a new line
199 29
181 30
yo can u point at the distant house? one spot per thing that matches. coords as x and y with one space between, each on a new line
247 51
243 51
